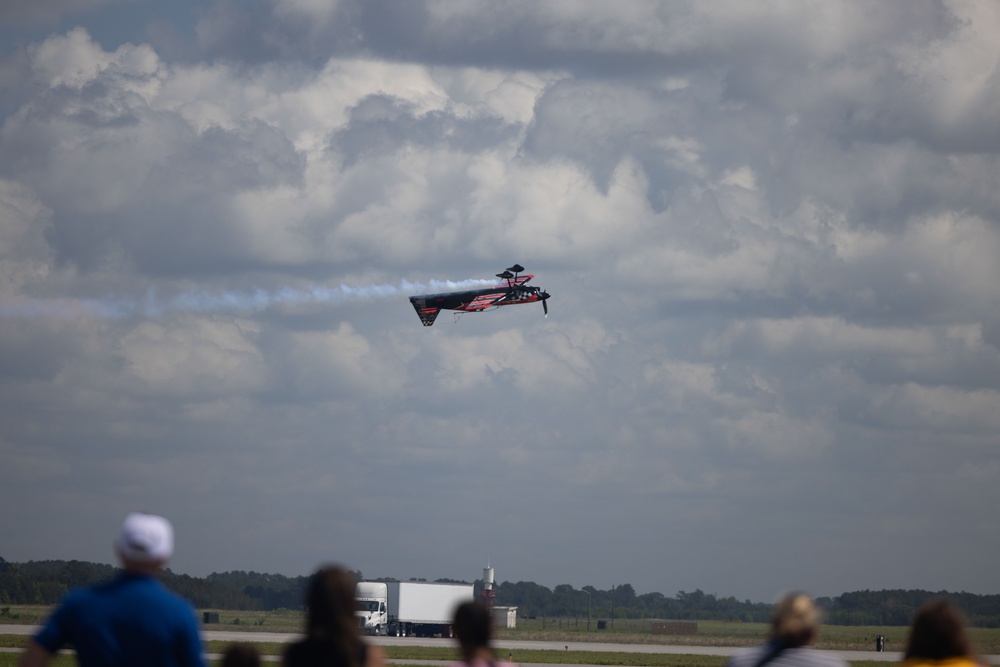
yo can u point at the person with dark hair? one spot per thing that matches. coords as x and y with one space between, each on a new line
240 655
794 628
132 619
332 637
938 637
473 627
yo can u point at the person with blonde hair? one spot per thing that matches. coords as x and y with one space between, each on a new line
794 628
938 638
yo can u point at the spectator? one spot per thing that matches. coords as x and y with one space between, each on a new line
473 627
794 627
332 637
241 655
130 620
938 637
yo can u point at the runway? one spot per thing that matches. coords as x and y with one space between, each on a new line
513 646
525 645
505 646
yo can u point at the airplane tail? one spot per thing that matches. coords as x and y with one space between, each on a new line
427 315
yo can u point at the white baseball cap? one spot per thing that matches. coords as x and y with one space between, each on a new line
145 538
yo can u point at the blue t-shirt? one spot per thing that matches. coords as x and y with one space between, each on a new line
130 621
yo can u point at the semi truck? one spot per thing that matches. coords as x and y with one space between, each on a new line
409 608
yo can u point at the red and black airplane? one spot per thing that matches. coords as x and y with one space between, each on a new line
512 290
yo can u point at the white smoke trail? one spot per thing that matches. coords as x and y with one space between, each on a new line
30 308
259 300
223 301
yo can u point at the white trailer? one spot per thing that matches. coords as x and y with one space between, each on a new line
404 608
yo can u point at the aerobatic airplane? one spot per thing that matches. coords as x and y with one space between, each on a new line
511 290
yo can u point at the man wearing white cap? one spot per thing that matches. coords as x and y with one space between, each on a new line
130 620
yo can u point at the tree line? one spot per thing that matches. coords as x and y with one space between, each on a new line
46 582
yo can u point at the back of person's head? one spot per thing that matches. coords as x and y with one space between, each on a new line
473 625
938 632
795 621
145 541
330 604
240 655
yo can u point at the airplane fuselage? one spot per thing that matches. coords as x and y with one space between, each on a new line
471 301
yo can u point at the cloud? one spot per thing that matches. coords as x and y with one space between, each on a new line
769 233
45 11
204 359
25 257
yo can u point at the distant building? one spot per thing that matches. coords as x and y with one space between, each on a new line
505 617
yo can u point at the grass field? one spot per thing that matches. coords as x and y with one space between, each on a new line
526 657
624 631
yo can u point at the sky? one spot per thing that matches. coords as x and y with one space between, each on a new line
770 231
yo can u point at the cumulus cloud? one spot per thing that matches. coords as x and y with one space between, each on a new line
25 256
45 11
769 232
205 358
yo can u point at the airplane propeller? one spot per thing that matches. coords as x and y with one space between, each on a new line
511 273
543 296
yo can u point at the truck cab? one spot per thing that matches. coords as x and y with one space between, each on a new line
372 599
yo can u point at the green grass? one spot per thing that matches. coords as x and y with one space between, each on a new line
568 630
28 614
11 659
279 620
13 641
710 633
723 633
449 653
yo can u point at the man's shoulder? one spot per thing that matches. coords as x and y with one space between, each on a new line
141 592
147 583
82 596
166 597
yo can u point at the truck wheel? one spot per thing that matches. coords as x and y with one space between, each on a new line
378 630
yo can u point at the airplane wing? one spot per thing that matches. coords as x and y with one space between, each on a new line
484 301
